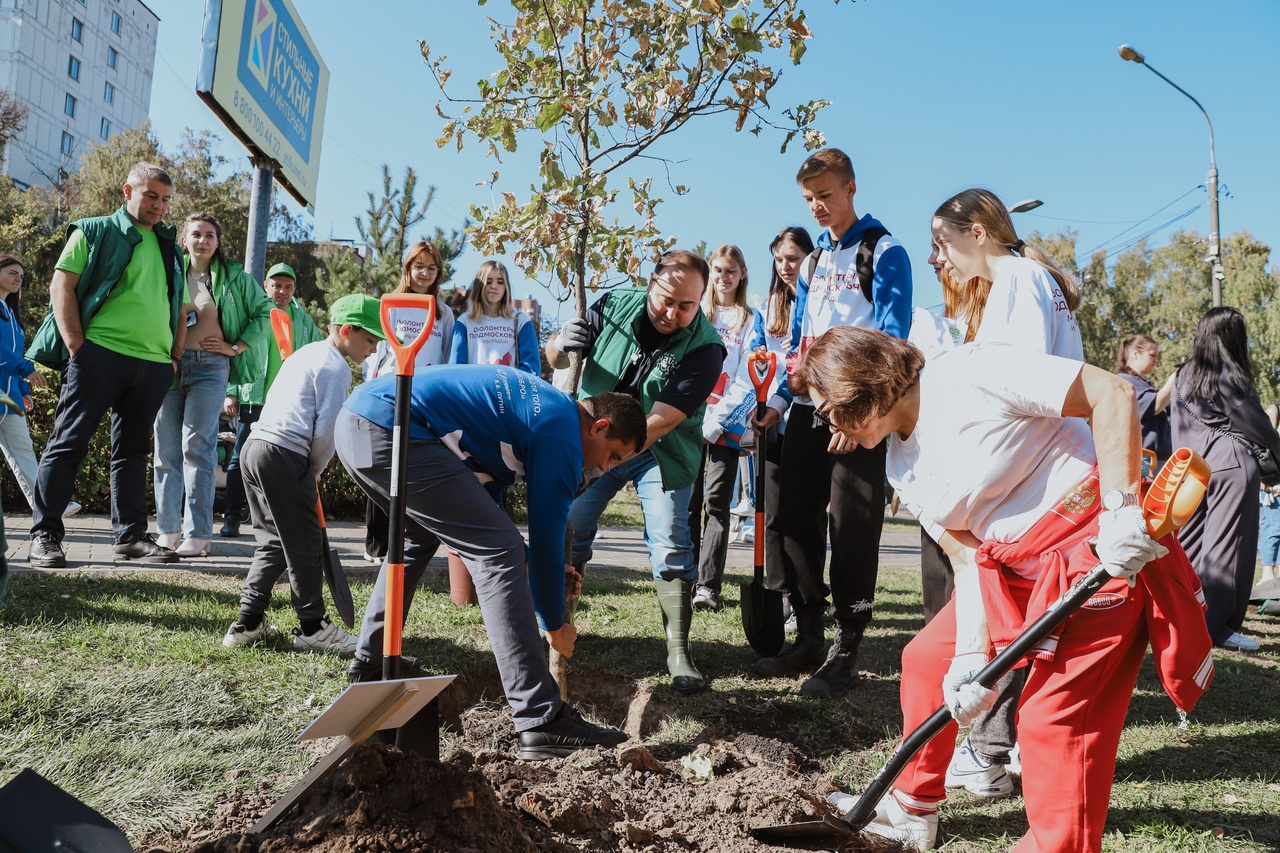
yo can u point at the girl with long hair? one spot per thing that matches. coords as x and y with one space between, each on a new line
420 272
1216 413
493 331
226 312
727 419
18 375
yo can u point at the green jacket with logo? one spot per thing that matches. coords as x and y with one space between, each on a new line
244 313
679 451
248 380
111 240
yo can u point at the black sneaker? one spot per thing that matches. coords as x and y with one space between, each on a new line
361 671
564 735
146 547
46 552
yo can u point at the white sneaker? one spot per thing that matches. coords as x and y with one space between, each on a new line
744 509
193 548
330 639
239 635
72 509
168 540
1015 760
1238 642
894 822
970 772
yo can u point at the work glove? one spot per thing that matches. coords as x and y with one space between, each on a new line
965 698
573 336
1124 545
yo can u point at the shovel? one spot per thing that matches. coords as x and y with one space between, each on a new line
334 575
1169 502
761 607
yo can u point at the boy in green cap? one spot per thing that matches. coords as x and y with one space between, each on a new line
289 447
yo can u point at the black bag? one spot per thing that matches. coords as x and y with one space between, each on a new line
1267 463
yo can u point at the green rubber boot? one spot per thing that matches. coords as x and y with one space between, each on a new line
675 599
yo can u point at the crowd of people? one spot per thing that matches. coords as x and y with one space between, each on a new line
1021 462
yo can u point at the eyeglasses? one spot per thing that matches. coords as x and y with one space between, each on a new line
824 418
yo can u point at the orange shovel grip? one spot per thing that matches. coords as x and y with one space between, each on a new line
1175 492
282 328
762 379
406 352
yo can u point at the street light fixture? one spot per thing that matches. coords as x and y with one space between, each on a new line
1128 54
1024 206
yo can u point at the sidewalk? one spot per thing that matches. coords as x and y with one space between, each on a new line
89 543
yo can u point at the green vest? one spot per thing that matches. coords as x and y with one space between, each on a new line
679 451
111 240
248 382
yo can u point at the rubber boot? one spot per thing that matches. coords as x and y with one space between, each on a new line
840 670
675 599
807 650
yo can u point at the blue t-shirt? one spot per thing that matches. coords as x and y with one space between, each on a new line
508 427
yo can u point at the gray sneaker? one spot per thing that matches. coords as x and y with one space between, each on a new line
46 552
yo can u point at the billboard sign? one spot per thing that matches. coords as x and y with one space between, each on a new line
262 75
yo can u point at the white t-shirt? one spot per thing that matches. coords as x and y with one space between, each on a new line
934 334
490 340
730 405
991 452
1026 309
407 323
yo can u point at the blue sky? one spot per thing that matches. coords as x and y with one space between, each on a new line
930 96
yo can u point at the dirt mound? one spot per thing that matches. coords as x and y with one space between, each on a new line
480 798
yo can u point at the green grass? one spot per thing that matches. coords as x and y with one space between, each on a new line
118 689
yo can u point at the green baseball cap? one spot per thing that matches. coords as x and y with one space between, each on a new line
282 269
356 309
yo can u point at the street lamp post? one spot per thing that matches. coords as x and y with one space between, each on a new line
1024 206
1215 249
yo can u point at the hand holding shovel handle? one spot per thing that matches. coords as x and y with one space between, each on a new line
405 353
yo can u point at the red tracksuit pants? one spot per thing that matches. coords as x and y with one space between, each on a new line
1069 719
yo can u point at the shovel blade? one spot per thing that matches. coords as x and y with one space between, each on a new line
336 579
1266 590
830 827
762 620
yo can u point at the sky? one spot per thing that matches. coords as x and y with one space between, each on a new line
1028 99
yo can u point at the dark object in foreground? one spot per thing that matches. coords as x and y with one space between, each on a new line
334 575
37 816
762 619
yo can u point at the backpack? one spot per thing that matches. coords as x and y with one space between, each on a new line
865 264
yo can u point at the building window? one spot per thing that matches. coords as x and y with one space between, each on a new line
109 93
105 129
68 142
70 107
77 29
113 57
73 68
115 23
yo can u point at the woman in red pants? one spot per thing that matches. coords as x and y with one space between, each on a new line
1026 468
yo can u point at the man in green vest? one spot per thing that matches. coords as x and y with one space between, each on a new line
655 344
260 366
113 328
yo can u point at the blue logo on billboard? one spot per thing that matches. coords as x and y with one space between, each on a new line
280 72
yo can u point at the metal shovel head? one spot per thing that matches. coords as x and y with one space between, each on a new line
1266 590
336 578
829 828
36 816
762 620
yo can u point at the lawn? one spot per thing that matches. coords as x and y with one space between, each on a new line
118 689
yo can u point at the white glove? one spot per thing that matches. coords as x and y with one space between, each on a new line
573 336
1124 546
964 698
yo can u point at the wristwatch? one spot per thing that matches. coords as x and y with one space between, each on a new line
1116 499
235 349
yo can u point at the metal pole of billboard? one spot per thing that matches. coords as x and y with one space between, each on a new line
255 253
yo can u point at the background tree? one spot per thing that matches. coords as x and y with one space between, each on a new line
601 82
13 118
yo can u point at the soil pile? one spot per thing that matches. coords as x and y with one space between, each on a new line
634 798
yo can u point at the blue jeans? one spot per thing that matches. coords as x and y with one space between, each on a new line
1269 542
666 517
187 444
98 379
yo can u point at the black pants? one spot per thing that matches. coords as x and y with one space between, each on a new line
377 530
936 576
852 486
712 492
233 497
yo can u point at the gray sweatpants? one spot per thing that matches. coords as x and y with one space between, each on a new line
446 503
282 496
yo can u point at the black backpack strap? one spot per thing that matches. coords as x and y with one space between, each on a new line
866 259
811 265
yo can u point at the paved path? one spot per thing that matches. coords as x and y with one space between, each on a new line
88 545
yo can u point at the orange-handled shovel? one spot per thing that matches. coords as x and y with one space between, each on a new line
761 607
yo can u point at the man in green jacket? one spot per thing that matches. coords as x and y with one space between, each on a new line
655 344
258 368
113 327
